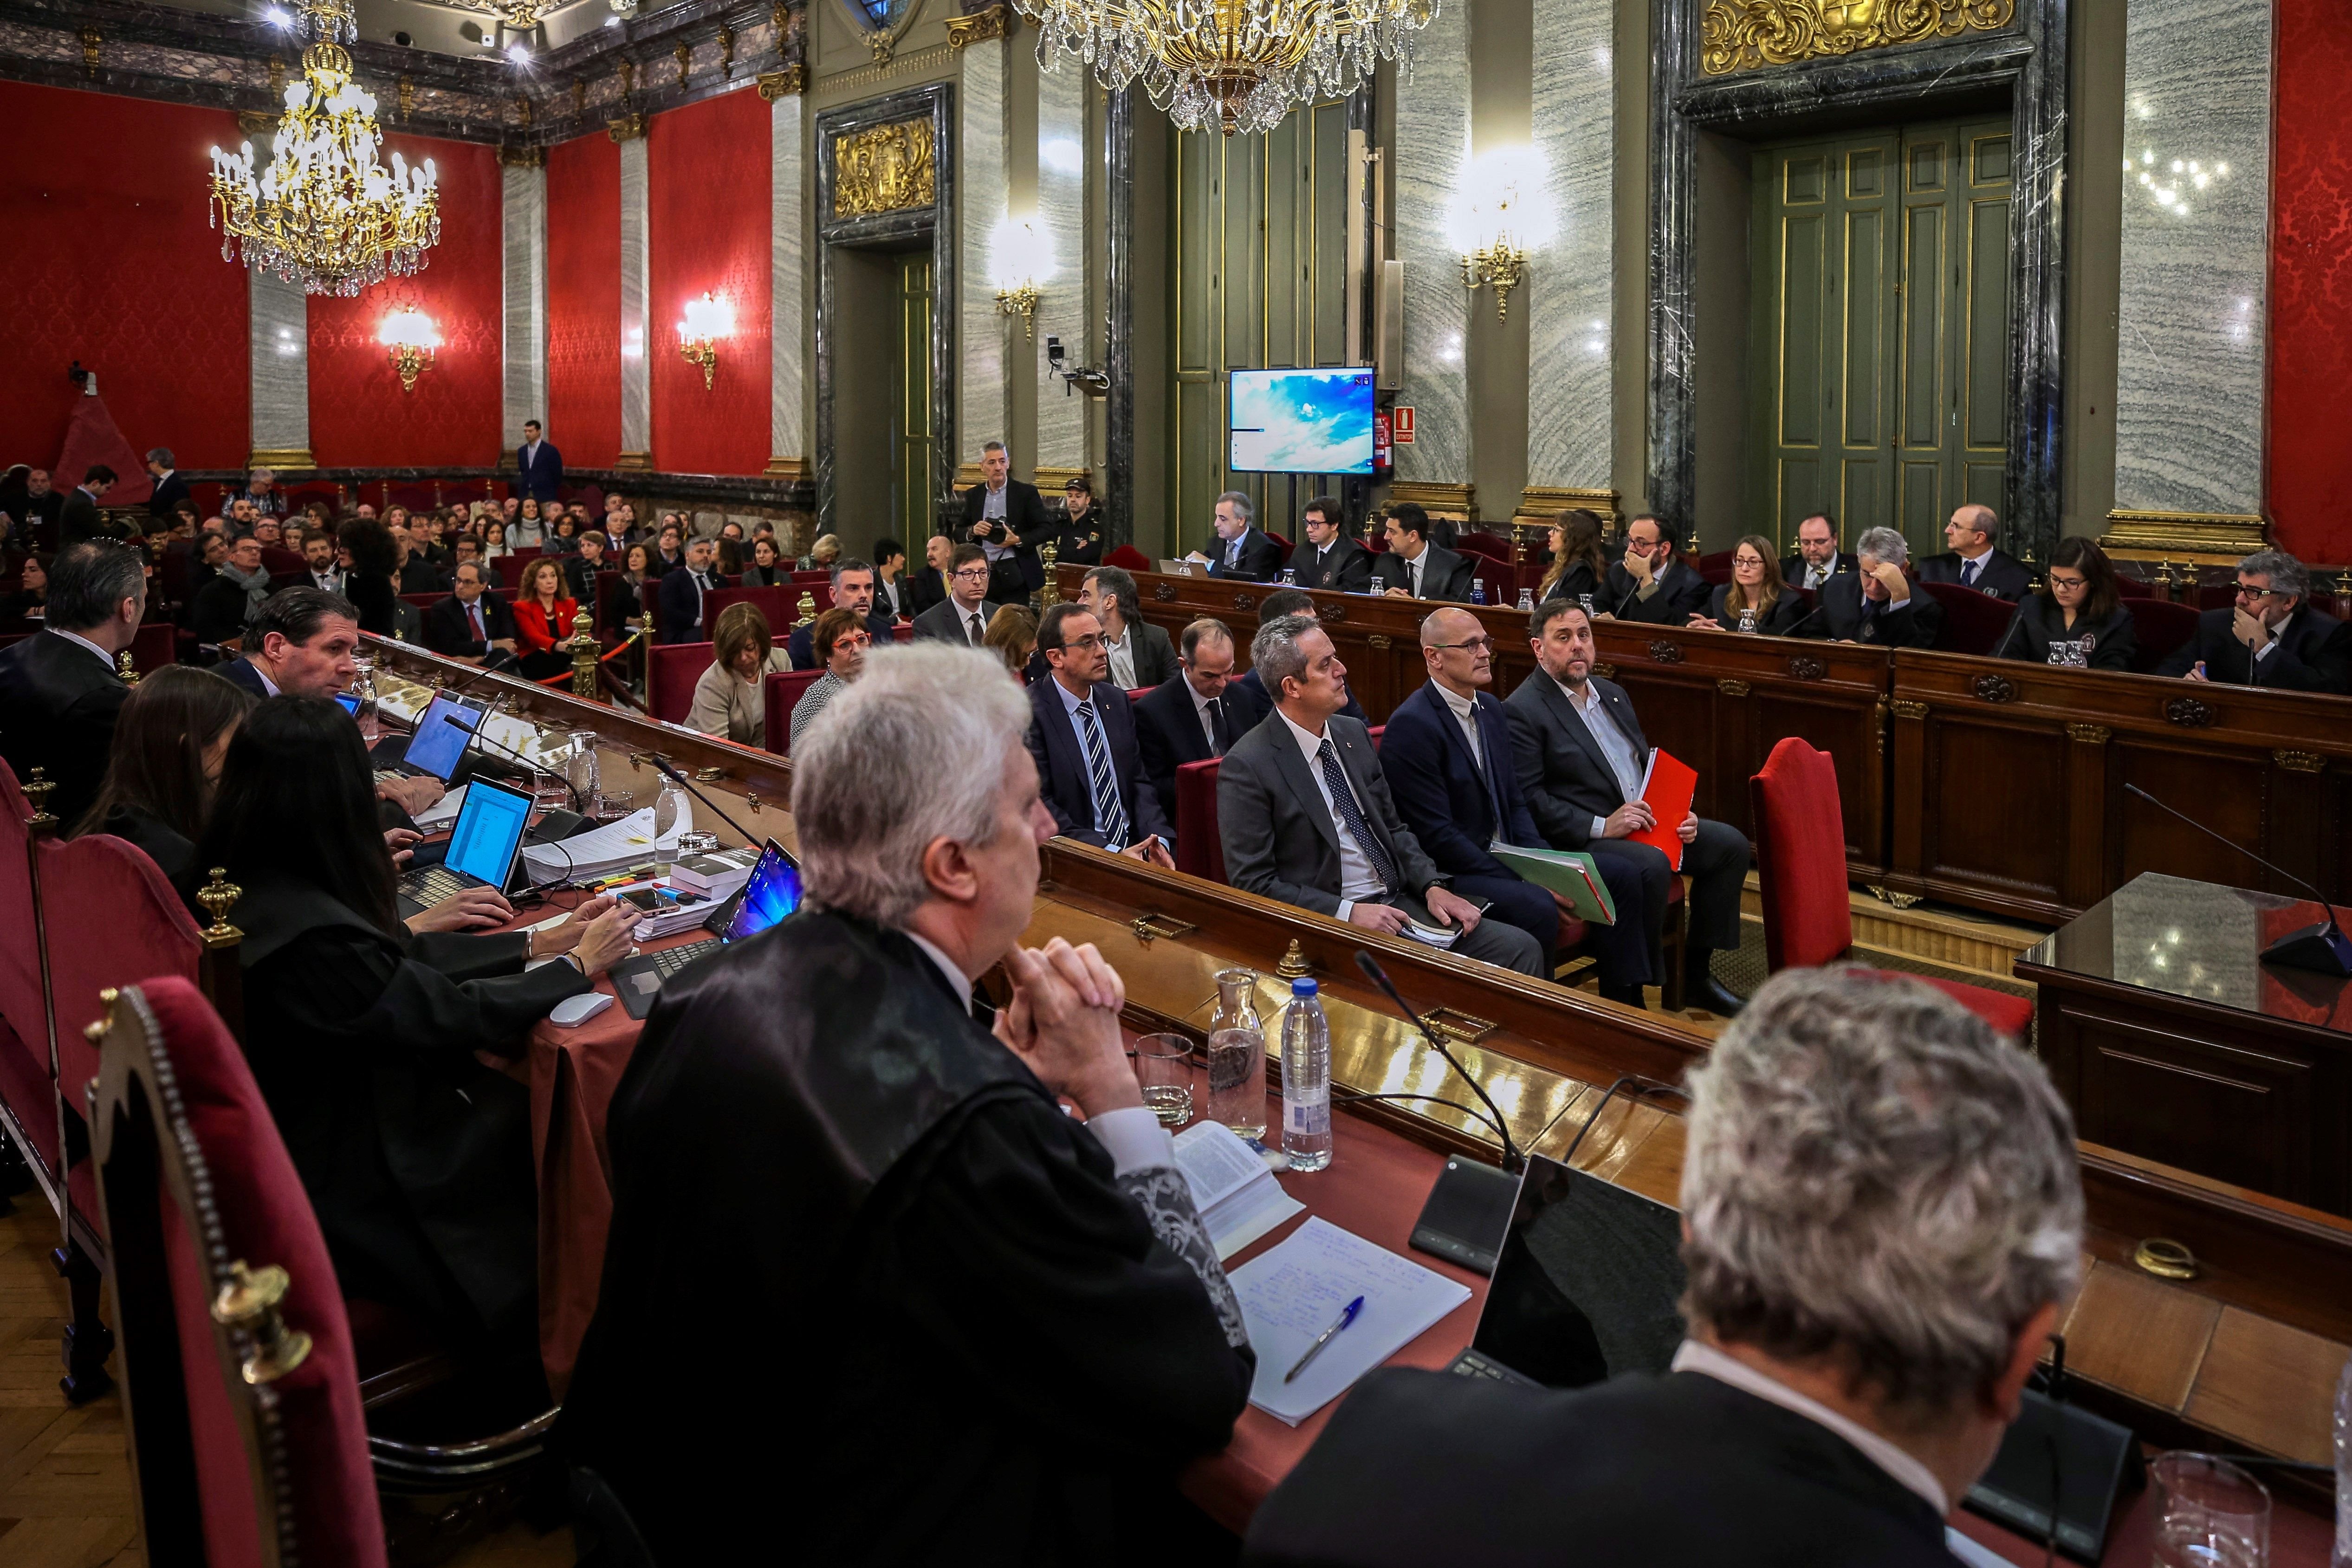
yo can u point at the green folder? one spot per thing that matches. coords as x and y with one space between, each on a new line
1567 872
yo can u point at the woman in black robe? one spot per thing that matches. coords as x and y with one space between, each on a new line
169 740
2078 621
416 1155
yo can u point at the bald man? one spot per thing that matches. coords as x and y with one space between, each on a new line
1974 561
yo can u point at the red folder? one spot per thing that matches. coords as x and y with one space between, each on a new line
1667 791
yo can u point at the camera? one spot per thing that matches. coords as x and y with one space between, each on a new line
1054 354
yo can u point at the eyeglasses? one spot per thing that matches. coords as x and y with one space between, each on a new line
2058 582
973 574
2246 591
852 639
1476 645
1092 640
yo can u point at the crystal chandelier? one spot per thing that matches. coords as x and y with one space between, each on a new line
1235 65
324 214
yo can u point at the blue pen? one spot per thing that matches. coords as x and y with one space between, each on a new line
1324 1338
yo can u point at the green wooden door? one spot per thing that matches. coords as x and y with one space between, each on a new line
1879 329
910 396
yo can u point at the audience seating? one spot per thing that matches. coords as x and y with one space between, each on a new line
780 693
813 578
1973 622
25 1083
283 562
1127 557
671 671
2133 588
1801 870
777 606
2218 595
2159 626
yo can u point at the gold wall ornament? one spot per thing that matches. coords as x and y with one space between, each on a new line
884 169
90 39
627 127
789 83
995 22
1746 35
685 58
1501 267
727 54
579 95
276 77
628 78
882 45
406 89
1021 303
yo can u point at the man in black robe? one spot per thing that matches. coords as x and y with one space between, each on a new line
938 1318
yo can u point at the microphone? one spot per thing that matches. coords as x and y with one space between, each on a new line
2322 948
686 783
475 731
2015 617
1513 1161
1819 604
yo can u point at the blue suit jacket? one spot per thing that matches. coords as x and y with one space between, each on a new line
1062 777
679 607
1438 790
542 480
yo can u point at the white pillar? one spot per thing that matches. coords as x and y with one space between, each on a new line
987 186
282 373
1571 283
636 289
1062 225
1432 144
787 261
524 275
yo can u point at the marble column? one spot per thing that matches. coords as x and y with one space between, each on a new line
1571 286
2193 301
983 413
1062 311
787 262
636 291
281 371
1432 144
523 273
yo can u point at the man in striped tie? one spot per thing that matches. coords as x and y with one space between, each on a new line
1082 734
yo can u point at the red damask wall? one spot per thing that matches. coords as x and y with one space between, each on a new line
707 170
108 260
583 301
359 416
2311 282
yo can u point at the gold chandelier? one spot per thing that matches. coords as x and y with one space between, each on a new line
1235 65
324 214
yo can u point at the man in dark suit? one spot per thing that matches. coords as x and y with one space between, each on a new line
43 506
1582 761
1245 697
1330 560
1082 736
1652 583
1008 520
962 615
852 589
1817 557
170 488
218 611
472 625
1140 652
1185 718
2293 645
1447 757
1416 568
1847 1232
1877 603
539 467
682 593
60 692
918 591
80 519
1972 562
1242 553
1306 816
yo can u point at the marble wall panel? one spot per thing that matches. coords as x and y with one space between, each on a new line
281 365
1570 297
787 281
1062 225
523 270
2196 245
987 186
1432 144
636 289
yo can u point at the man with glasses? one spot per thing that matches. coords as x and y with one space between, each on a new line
1332 560
1447 756
1186 717
1817 557
1082 736
2270 636
962 615
1652 583
1975 560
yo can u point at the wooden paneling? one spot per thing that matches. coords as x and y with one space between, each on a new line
2138 1335
2256 1372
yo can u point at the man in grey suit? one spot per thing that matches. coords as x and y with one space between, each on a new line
1305 816
1582 760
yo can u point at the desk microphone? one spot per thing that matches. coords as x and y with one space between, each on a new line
2017 616
2322 948
1820 605
686 783
1513 1161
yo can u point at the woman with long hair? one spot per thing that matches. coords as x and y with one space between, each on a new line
1756 599
417 1156
368 584
728 701
494 540
2079 620
530 527
170 738
29 601
543 617
767 569
563 534
1012 635
1578 563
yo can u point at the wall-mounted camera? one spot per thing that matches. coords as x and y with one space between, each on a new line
1093 382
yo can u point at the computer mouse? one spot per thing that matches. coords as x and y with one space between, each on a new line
573 1011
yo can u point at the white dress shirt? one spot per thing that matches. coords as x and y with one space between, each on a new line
1201 712
1465 713
1413 571
1914 1477
1973 564
1122 658
2278 635
1358 880
1614 745
103 656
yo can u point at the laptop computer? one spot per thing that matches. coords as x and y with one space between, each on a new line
1585 1286
437 746
773 892
483 847
1184 568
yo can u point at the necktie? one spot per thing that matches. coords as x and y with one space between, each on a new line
476 610
1969 575
1343 800
1110 818
1234 553
1414 569
1223 734
973 630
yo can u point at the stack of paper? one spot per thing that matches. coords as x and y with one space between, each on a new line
1570 873
1232 1186
442 812
1429 935
1295 1292
612 847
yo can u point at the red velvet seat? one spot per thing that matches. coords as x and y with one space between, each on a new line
276 561
195 1183
112 921
25 1088
671 670
2133 588
1973 622
2218 595
776 604
779 693
1286 547
1801 870
904 631
1200 849
811 579
153 646
1493 546
2160 626
1127 558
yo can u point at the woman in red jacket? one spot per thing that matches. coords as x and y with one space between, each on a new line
544 618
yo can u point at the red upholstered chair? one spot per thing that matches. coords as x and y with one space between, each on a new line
247 1434
1200 849
780 693
112 921
153 646
1493 546
820 579
1127 557
25 1091
278 562
1286 545
1138 693
1801 870
518 563
671 670
2218 595
2160 626
415 498
775 604
903 631
2133 588
1973 622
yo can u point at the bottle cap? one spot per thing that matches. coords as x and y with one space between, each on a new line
1302 986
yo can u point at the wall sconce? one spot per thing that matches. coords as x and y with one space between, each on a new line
707 319
411 337
1503 213
1020 260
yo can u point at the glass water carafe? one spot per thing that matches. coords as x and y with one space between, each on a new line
1237 1056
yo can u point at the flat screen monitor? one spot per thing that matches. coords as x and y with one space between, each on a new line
773 892
1302 421
435 747
489 832
1589 1283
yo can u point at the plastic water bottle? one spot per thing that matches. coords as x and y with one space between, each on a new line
1306 1080
2343 1468
1477 590
1528 600
669 810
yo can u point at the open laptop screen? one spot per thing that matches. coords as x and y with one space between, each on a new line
488 831
773 892
1588 1283
436 746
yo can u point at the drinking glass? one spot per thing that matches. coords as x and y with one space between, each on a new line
2209 1513
364 688
1165 1067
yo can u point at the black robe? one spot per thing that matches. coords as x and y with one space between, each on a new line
867 1286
